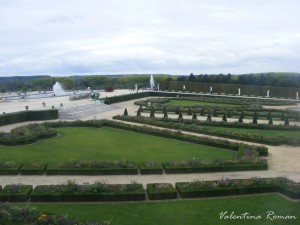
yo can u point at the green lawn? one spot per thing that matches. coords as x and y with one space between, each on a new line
187 212
108 144
175 102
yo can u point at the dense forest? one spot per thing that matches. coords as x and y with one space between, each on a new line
40 83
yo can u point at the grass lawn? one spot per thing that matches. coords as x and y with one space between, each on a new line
187 212
175 102
108 144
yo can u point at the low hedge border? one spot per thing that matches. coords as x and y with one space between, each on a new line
23 116
91 171
159 191
291 190
10 194
10 170
151 167
173 124
213 168
75 196
33 169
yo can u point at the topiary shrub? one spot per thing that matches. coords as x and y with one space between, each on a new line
202 112
194 116
224 119
177 111
254 120
241 118
152 113
189 111
180 116
138 113
270 121
166 115
209 118
286 122
125 112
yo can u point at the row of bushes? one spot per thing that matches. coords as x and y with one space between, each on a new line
23 116
202 127
27 134
151 167
102 191
223 187
287 92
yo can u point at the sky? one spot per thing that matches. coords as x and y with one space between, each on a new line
67 37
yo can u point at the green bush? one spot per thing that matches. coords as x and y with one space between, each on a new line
99 191
158 191
15 193
10 168
151 167
33 168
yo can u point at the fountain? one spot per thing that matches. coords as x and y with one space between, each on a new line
58 89
152 83
268 93
239 91
297 95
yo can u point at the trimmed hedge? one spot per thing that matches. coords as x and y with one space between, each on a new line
12 168
91 171
158 191
75 196
213 168
33 169
15 193
23 116
217 188
151 168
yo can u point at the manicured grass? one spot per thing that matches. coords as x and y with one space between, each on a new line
187 212
179 102
108 144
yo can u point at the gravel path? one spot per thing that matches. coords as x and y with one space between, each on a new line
283 161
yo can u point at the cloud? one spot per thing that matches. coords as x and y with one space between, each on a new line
150 36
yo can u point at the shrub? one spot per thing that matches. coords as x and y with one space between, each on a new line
224 119
209 118
180 116
158 191
125 112
189 111
15 193
194 116
138 113
177 111
286 122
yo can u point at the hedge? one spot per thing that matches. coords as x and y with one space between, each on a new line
198 189
33 169
37 196
157 191
90 171
23 116
196 127
9 194
10 170
287 92
213 168
151 168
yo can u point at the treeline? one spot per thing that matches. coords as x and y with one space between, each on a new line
263 79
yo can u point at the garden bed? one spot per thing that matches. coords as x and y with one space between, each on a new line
158 191
15 193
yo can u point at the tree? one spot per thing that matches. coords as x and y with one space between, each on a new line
164 110
209 118
286 122
152 113
241 119
125 112
189 111
269 115
165 114
180 116
177 111
224 119
254 119
194 116
138 112
192 78
141 108
270 120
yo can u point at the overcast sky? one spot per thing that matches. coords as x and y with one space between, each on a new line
64 37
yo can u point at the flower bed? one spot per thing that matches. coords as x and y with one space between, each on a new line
224 187
158 191
99 191
10 168
33 168
15 193
219 165
92 168
151 167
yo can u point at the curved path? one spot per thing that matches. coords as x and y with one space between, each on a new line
283 161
